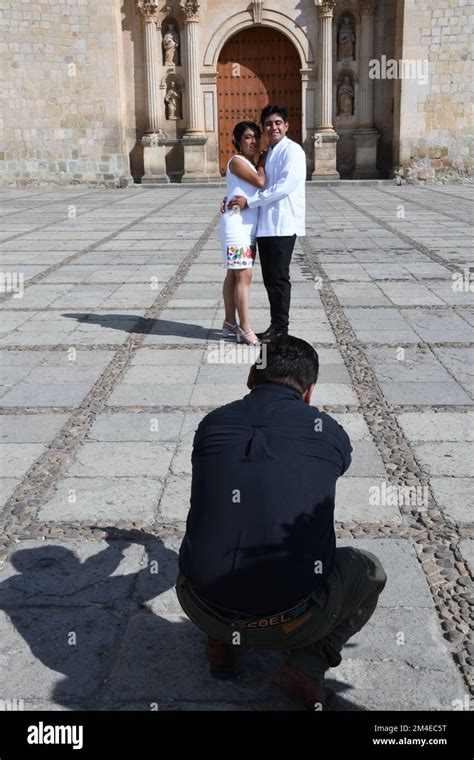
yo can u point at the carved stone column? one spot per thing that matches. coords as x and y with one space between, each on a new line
366 136
154 157
194 140
325 138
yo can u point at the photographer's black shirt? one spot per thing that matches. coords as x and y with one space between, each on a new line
260 530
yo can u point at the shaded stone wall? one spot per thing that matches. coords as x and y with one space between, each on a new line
61 102
384 44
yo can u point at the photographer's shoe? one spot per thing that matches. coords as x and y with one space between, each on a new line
313 694
221 657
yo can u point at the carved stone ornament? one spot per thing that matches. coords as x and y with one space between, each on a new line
368 7
326 8
149 9
345 98
173 102
190 9
346 39
170 46
257 10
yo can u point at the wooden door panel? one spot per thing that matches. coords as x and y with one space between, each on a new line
256 67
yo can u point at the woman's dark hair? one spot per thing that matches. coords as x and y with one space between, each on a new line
271 111
289 361
240 128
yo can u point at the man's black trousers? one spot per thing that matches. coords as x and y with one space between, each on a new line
275 259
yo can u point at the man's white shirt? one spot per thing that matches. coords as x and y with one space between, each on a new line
282 203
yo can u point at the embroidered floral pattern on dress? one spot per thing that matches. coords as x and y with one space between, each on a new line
240 257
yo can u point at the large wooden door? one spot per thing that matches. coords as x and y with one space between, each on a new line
257 66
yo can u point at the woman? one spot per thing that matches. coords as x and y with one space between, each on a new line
239 229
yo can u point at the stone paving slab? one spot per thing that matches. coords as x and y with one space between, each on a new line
354 501
454 498
121 460
140 426
90 499
454 458
437 426
17 458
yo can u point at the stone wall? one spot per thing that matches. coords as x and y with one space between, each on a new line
435 138
62 94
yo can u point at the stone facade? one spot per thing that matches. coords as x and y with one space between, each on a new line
62 119
100 92
435 128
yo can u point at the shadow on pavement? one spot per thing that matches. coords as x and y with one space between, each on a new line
138 325
101 628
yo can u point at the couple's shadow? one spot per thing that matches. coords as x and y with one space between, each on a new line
113 631
147 325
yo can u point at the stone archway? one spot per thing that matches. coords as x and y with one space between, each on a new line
256 66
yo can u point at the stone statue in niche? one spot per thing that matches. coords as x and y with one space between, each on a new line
173 102
345 98
346 40
170 46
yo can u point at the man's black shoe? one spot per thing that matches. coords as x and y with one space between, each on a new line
266 335
271 334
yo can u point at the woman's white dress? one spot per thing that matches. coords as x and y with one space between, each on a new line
238 229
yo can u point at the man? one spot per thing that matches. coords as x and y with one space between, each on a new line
282 214
258 563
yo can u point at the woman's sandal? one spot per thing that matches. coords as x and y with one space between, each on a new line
242 337
229 330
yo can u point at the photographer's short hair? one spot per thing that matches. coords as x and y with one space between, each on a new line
289 361
271 111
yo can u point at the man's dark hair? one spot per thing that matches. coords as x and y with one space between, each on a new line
240 128
271 111
289 361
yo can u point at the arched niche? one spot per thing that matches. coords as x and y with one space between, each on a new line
346 36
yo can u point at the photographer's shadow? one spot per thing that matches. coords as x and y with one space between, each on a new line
76 618
117 633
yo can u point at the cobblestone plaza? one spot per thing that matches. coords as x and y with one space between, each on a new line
111 314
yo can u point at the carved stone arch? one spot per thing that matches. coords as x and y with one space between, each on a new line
172 75
353 75
273 19
344 11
